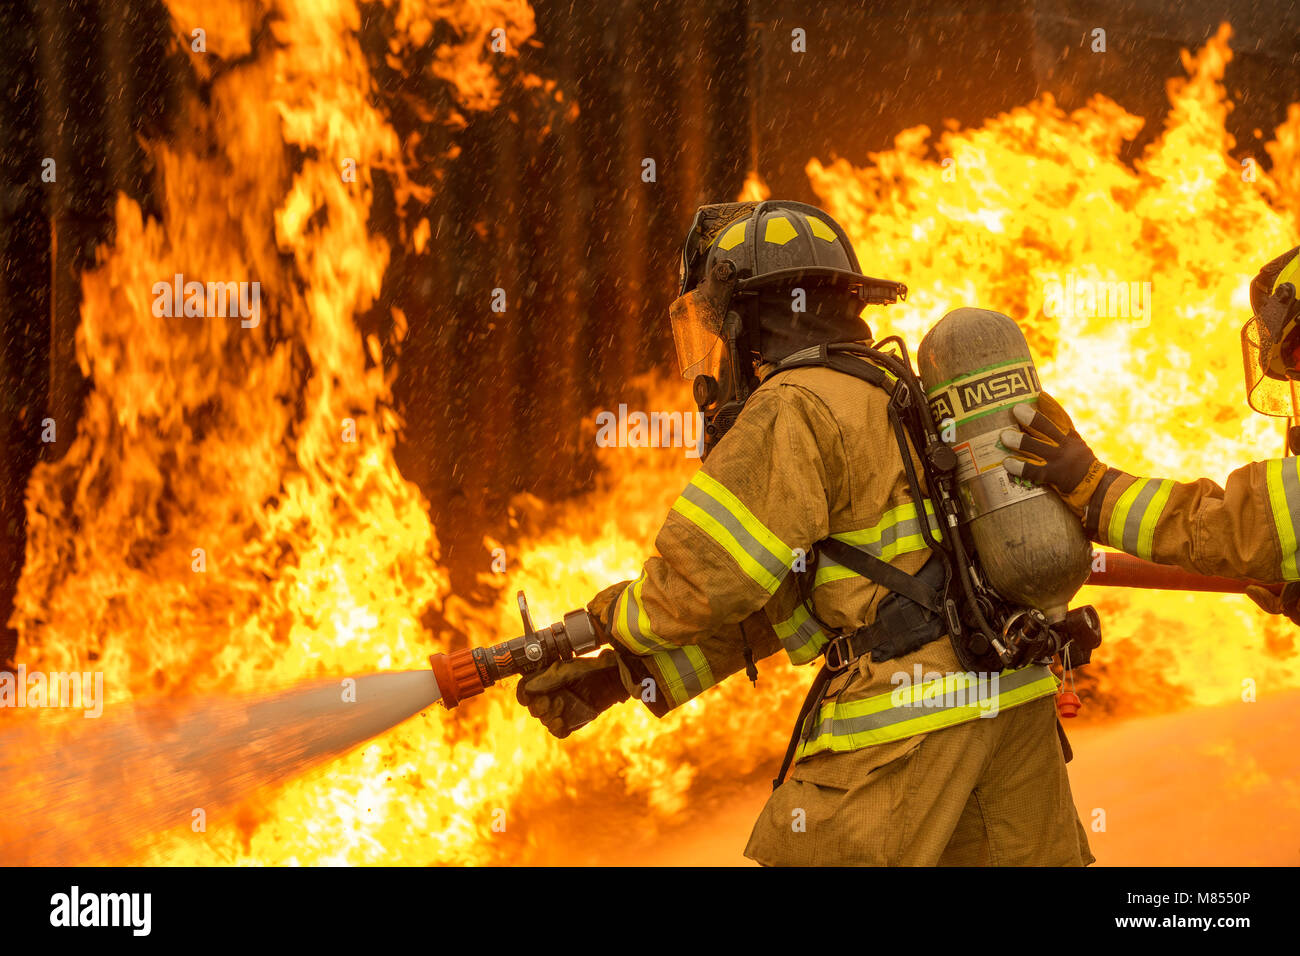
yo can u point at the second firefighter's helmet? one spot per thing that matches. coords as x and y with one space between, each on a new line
1270 339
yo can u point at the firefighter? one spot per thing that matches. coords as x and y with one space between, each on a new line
794 456
1247 529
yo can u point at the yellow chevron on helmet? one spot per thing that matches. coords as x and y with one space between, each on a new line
733 236
1289 272
779 231
820 229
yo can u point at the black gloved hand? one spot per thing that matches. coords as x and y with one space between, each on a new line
570 694
1052 453
1288 602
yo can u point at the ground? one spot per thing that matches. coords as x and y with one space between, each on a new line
1230 798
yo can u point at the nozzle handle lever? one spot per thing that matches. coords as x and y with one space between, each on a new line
469 671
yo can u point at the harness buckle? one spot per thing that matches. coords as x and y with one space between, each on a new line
840 648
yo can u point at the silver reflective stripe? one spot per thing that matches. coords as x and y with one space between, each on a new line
685 673
1291 485
686 670
888 537
1282 477
901 537
770 562
1136 512
800 638
800 635
844 727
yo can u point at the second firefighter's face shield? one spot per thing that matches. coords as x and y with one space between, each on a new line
1270 342
1266 392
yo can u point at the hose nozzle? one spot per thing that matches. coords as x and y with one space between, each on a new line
467 672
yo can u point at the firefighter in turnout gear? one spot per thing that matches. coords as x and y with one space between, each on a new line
889 766
1247 529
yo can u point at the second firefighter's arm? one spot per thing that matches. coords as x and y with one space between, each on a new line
1245 529
728 545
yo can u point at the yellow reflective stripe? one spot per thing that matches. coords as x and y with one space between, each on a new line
1283 481
700 669
800 635
897 532
708 505
1289 273
1133 520
946 702
1119 514
671 678
684 669
631 623
891 518
686 673
832 573
1147 528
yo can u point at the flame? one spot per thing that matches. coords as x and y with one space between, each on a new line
320 559
1035 196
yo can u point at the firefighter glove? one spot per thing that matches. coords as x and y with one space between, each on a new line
570 694
1052 453
1288 602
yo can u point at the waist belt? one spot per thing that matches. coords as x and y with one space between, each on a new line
903 623
906 620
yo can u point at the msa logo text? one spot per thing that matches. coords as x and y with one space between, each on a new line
994 388
941 408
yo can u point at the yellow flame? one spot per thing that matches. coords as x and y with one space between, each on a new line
1036 197
320 558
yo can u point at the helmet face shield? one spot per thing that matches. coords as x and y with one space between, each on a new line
697 332
1266 392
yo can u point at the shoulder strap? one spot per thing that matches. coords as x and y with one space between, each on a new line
854 558
881 572
819 356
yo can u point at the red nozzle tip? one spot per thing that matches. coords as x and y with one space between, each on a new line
457 676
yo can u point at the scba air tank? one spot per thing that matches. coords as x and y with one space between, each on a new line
976 367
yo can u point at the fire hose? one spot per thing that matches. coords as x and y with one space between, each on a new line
469 671
1125 571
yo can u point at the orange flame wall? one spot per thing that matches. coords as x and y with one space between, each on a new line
319 557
